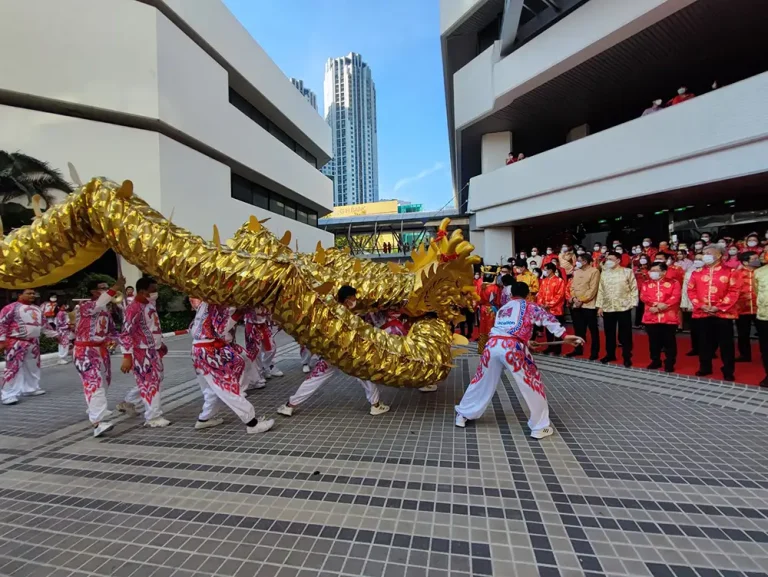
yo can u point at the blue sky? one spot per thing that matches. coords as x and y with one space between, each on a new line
400 41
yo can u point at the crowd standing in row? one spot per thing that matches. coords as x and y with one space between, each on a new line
707 287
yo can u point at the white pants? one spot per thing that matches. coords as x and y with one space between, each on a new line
319 376
253 372
26 380
214 396
268 356
63 352
307 358
524 372
97 405
152 410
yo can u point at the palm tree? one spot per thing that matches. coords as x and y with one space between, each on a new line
23 176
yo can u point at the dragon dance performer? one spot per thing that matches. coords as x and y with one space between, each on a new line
143 352
508 347
257 336
220 368
21 324
63 333
262 324
490 295
347 296
49 311
94 331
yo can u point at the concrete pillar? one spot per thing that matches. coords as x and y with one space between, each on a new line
494 148
499 245
477 238
577 133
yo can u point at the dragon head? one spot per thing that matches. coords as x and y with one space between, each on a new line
443 274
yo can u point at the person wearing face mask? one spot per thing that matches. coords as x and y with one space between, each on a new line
567 260
682 96
761 293
534 261
641 277
549 256
674 272
752 244
617 295
746 308
714 294
686 307
143 350
597 255
581 294
551 298
346 296
625 259
522 274
649 249
656 106
49 311
682 260
21 324
706 239
478 282
662 316
490 299
94 333
63 333
732 260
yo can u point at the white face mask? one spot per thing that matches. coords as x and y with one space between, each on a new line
643 261
698 264
153 297
657 102
705 239
698 246
722 244
545 273
603 250
733 251
619 251
655 275
53 299
752 243
564 249
610 263
708 258
681 91
549 251
646 243
579 264
597 247
534 253
580 251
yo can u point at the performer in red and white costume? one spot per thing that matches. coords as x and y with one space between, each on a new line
21 324
509 348
220 368
63 333
257 336
308 360
49 311
269 348
323 371
143 351
94 332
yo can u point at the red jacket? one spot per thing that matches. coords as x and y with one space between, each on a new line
747 303
666 292
551 295
675 273
626 260
547 259
715 286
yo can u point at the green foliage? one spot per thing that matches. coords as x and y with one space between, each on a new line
82 288
177 321
165 296
23 176
48 345
341 242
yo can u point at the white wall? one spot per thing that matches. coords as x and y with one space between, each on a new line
499 245
494 149
704 140
165 76
586 32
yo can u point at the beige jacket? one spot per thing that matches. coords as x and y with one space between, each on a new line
584 286
618 290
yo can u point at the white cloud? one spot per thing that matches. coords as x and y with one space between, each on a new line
423 174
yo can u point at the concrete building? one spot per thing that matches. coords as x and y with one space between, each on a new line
306 92
350 110
566 81
176 96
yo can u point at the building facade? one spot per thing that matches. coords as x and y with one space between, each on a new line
566 83
350 111
306 92
196 114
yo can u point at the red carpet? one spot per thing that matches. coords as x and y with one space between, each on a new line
746 373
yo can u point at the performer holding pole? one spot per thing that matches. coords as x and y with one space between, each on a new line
508 348
94 329
63 333
257 335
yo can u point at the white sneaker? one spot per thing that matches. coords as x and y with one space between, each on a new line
126 407
260 384
102 428
305 369
261 426
11 401
285 410
379 409
36 393
158 422
275 372
461 421
199 425
428 389
62 362
541 433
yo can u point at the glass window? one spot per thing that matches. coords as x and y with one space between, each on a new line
312 218
277 204
260 196
301 215
241 189
290 209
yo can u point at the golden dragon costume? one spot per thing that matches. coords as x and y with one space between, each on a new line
255 268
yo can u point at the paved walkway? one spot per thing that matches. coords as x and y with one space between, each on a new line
648 475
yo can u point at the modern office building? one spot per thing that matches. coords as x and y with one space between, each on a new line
566 82
306 92
350 110
176 96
